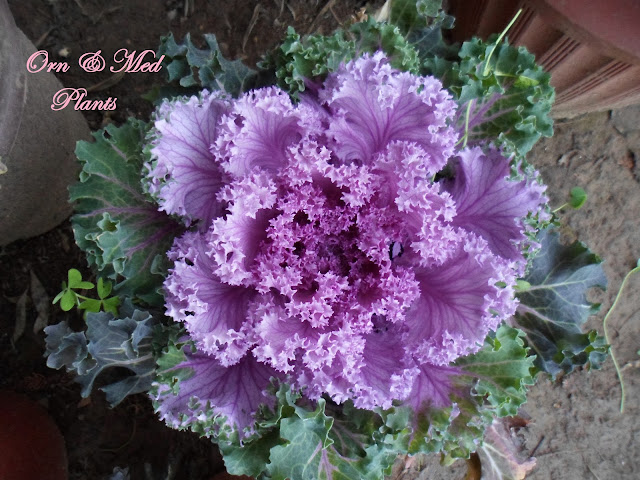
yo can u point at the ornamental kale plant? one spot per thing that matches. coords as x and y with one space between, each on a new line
330 259
340 266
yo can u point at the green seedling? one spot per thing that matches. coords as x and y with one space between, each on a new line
70 298
577 198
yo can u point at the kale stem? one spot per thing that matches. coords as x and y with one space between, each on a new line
500 37
466 124
606 334
559 208
464 138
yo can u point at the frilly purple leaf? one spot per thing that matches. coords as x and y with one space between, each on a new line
184 175
215 394
214 312
489 204
373 104
258 130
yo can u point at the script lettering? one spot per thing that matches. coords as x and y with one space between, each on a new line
133 63
40 60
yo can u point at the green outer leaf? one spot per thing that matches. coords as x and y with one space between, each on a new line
168 375
348 438
351 443
422 22
501 456
299 59
357 444
116 224
553 310
411 15
252 458
503 370
307 437
309 453
190 66
362 439
372 36
454 432
492 382
507 85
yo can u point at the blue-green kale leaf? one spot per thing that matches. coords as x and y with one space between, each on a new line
554 309
108 343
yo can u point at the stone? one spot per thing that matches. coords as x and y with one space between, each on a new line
37 144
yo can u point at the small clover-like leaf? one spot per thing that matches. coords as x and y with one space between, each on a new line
68 300
90 305
59 296
75 280
111 305
75 277
104 288
577 197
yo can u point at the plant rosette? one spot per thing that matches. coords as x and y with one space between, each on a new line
335 259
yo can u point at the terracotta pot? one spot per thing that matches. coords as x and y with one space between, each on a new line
590 47
37 161
31 446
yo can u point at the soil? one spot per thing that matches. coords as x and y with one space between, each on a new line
576 428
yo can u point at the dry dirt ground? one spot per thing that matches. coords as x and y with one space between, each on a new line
576 429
